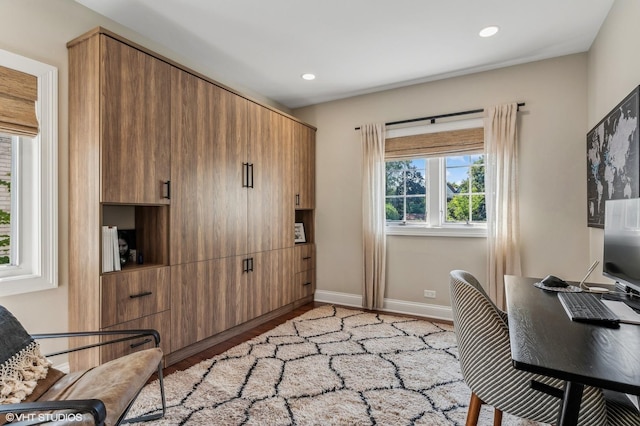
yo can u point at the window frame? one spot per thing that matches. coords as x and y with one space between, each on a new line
436 193
406 196
470 194
37 266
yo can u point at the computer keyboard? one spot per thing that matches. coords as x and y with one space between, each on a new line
586 307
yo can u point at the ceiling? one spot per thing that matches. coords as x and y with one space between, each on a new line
355 46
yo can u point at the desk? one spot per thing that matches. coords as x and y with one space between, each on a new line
545 341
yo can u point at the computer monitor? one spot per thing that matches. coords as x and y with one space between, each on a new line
621 259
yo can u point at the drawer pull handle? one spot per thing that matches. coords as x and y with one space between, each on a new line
135 296
306 258
135 345
309 283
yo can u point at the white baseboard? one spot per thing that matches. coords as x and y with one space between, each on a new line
345 299
390 305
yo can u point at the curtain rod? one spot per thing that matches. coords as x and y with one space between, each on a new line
433 118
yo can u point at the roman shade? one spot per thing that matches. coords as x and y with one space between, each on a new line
435 144
18 94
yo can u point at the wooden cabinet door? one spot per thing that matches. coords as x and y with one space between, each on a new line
270 213
270 283
203 299
304 166
282 277
135 132
209 203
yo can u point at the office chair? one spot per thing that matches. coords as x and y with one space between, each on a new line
33 392
482 332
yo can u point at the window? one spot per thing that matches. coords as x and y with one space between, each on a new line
465 189
7 146
28 184
434 185
406 199
409 192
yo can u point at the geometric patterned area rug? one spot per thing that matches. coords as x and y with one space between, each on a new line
329 366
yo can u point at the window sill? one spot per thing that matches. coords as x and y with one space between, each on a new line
432 231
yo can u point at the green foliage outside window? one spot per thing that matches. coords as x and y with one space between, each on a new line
406 191
5 219
467 203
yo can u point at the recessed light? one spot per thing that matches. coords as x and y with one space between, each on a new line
489 31
308 76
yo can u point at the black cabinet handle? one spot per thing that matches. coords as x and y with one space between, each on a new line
245 175
309 283
167 184
306 258
135 345
247 265
146 293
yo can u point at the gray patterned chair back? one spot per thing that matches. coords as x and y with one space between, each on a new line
485 360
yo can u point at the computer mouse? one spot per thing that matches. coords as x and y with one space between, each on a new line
553 281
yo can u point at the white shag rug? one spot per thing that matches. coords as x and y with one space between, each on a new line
329 366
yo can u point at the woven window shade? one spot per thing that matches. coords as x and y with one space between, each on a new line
18 95
435 144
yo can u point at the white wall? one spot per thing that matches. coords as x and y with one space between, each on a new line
552 178
613 71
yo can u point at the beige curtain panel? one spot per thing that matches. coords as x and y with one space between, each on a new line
373 215
435 144
18 96
501 169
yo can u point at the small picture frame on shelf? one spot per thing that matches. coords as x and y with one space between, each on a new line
127 246
300 236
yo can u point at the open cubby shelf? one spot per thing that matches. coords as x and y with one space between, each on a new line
151 226
306 217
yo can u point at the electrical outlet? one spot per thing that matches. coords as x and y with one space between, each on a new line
431 294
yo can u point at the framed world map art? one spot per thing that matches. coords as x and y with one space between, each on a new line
613 158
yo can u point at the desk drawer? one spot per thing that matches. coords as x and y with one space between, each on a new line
305 257
135 294
160 322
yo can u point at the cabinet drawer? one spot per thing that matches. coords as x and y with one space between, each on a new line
135 294
160 322
305 257
305 284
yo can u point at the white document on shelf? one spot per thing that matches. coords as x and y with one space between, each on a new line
624 312
107 250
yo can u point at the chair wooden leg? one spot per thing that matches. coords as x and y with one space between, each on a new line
474 410
497 417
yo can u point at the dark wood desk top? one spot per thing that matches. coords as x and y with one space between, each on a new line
544 340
